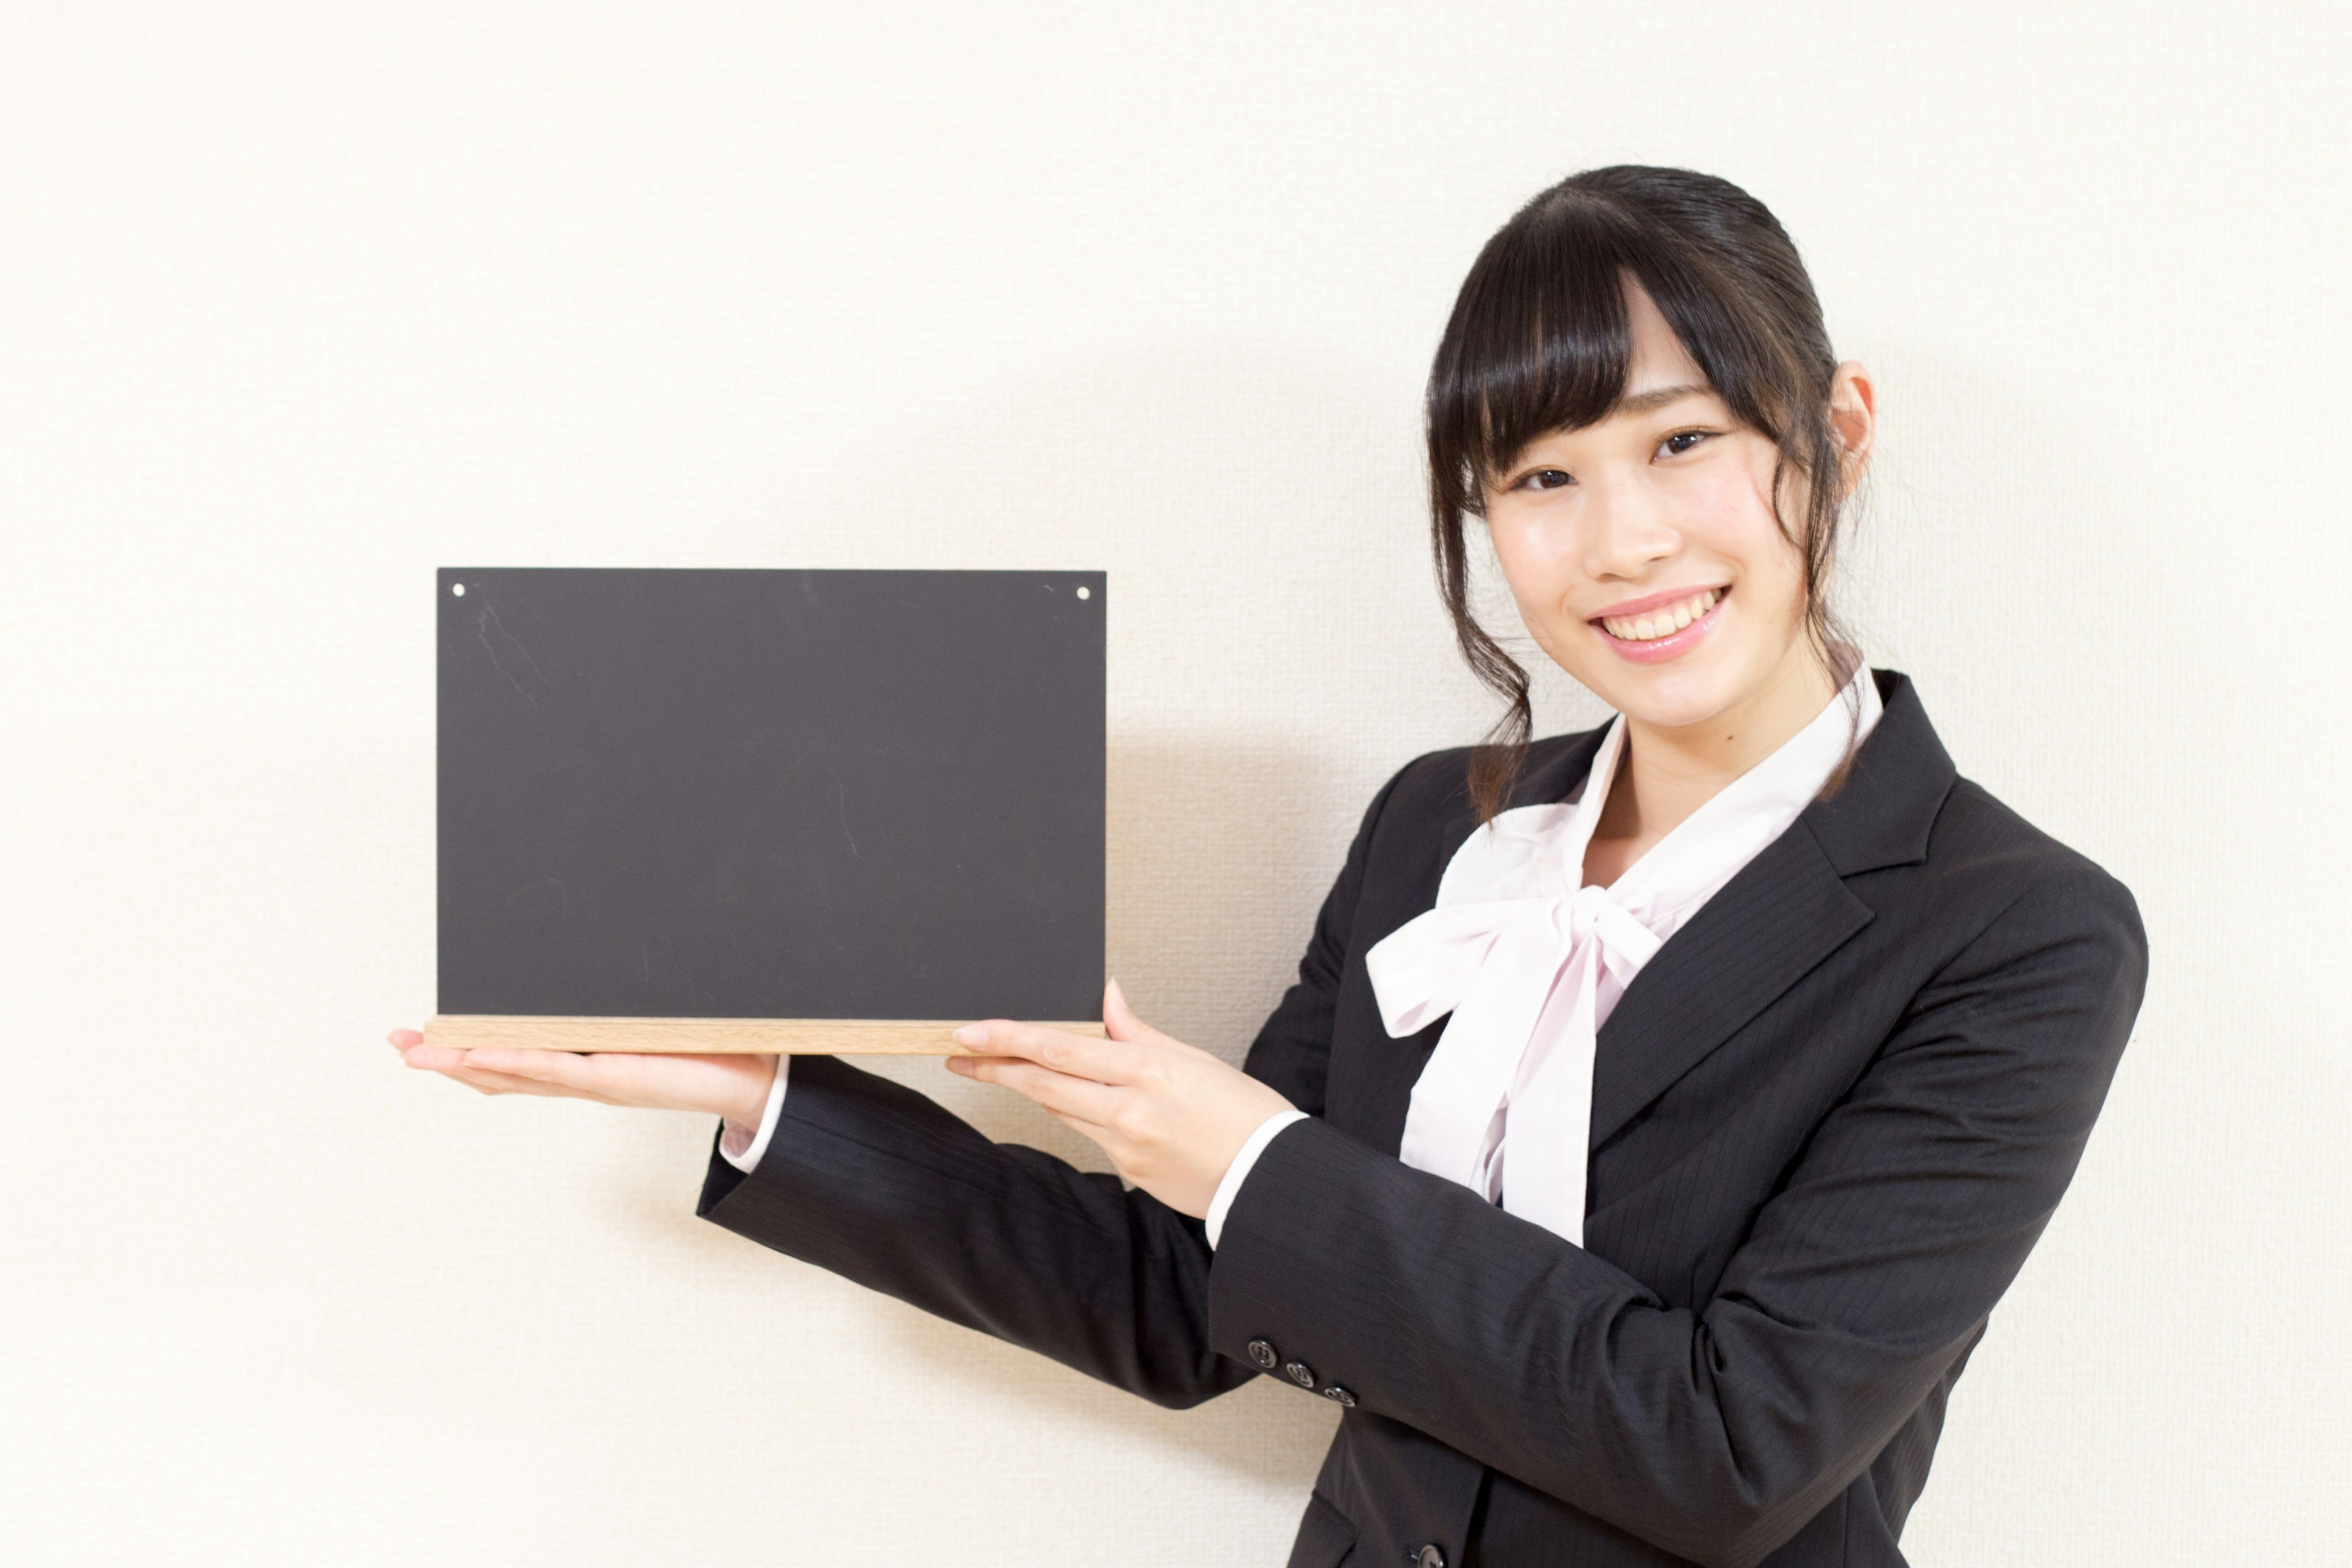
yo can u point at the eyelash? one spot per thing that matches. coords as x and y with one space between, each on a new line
1700 437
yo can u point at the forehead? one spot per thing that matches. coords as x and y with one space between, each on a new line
1658 358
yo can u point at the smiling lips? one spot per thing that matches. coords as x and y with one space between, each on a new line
1662 621
1662 628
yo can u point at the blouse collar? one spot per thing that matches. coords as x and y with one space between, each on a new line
1537 851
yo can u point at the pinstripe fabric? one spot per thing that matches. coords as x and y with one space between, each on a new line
1830 1119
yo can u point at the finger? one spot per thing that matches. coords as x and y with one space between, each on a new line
547 1066
1082 1056
461 1071
403 1038
509 1083
1121 1019
480 1083
1058 1092
542 1066
434 1058
1101 1137
611 1078
464 1067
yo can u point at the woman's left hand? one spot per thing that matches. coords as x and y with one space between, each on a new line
1170 1117
734 1086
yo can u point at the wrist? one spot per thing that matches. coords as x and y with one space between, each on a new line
750 1107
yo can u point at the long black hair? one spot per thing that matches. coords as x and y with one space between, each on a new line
1539 341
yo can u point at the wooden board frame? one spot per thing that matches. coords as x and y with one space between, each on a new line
715 1036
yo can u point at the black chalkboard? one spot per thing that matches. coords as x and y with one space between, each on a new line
793 794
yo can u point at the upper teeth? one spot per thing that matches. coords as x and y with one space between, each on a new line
1664 620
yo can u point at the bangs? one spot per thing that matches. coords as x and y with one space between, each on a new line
1541 340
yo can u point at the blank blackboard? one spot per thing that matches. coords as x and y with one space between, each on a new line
811 795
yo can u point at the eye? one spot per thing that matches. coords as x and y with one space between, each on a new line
1545 480
1682 441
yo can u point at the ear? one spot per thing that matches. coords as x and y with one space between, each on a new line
1853 415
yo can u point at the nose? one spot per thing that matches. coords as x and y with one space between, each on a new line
1626 530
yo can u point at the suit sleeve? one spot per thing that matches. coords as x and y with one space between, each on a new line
1716 1432
881 1185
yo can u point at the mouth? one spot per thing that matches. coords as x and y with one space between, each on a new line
1662 628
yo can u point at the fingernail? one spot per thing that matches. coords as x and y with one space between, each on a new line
972 1035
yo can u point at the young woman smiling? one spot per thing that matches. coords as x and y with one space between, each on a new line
1660 1111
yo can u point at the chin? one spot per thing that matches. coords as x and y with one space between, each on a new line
1668 695
1677 711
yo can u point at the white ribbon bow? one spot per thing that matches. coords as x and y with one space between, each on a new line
1498 967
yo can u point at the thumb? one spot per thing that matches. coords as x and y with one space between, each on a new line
1119 1018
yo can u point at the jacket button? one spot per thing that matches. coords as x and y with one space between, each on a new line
1263 1353
1427 1557
1299 1372
1339 1396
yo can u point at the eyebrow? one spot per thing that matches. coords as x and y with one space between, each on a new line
1657 398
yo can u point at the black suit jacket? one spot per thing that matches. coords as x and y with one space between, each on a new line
1829 1118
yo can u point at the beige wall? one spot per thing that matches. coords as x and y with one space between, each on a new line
296 305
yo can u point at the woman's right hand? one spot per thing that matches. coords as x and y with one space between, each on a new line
734 1086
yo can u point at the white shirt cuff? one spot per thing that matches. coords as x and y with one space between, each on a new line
1238 1172
749 1156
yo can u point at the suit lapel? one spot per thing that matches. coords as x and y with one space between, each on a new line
1778 919
1768 927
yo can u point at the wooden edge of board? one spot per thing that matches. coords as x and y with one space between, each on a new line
782 1037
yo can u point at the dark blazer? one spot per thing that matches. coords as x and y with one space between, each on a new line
1828 1119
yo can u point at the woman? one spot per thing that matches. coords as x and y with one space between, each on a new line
1660 1111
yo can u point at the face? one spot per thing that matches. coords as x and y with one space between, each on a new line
1644 553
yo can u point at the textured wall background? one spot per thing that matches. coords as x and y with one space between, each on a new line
297 304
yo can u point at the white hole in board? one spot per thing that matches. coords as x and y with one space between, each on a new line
1085 592
458 589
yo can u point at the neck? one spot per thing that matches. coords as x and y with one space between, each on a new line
1670 771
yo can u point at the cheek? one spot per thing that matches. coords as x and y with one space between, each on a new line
1538 570
1732 521
1772 571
